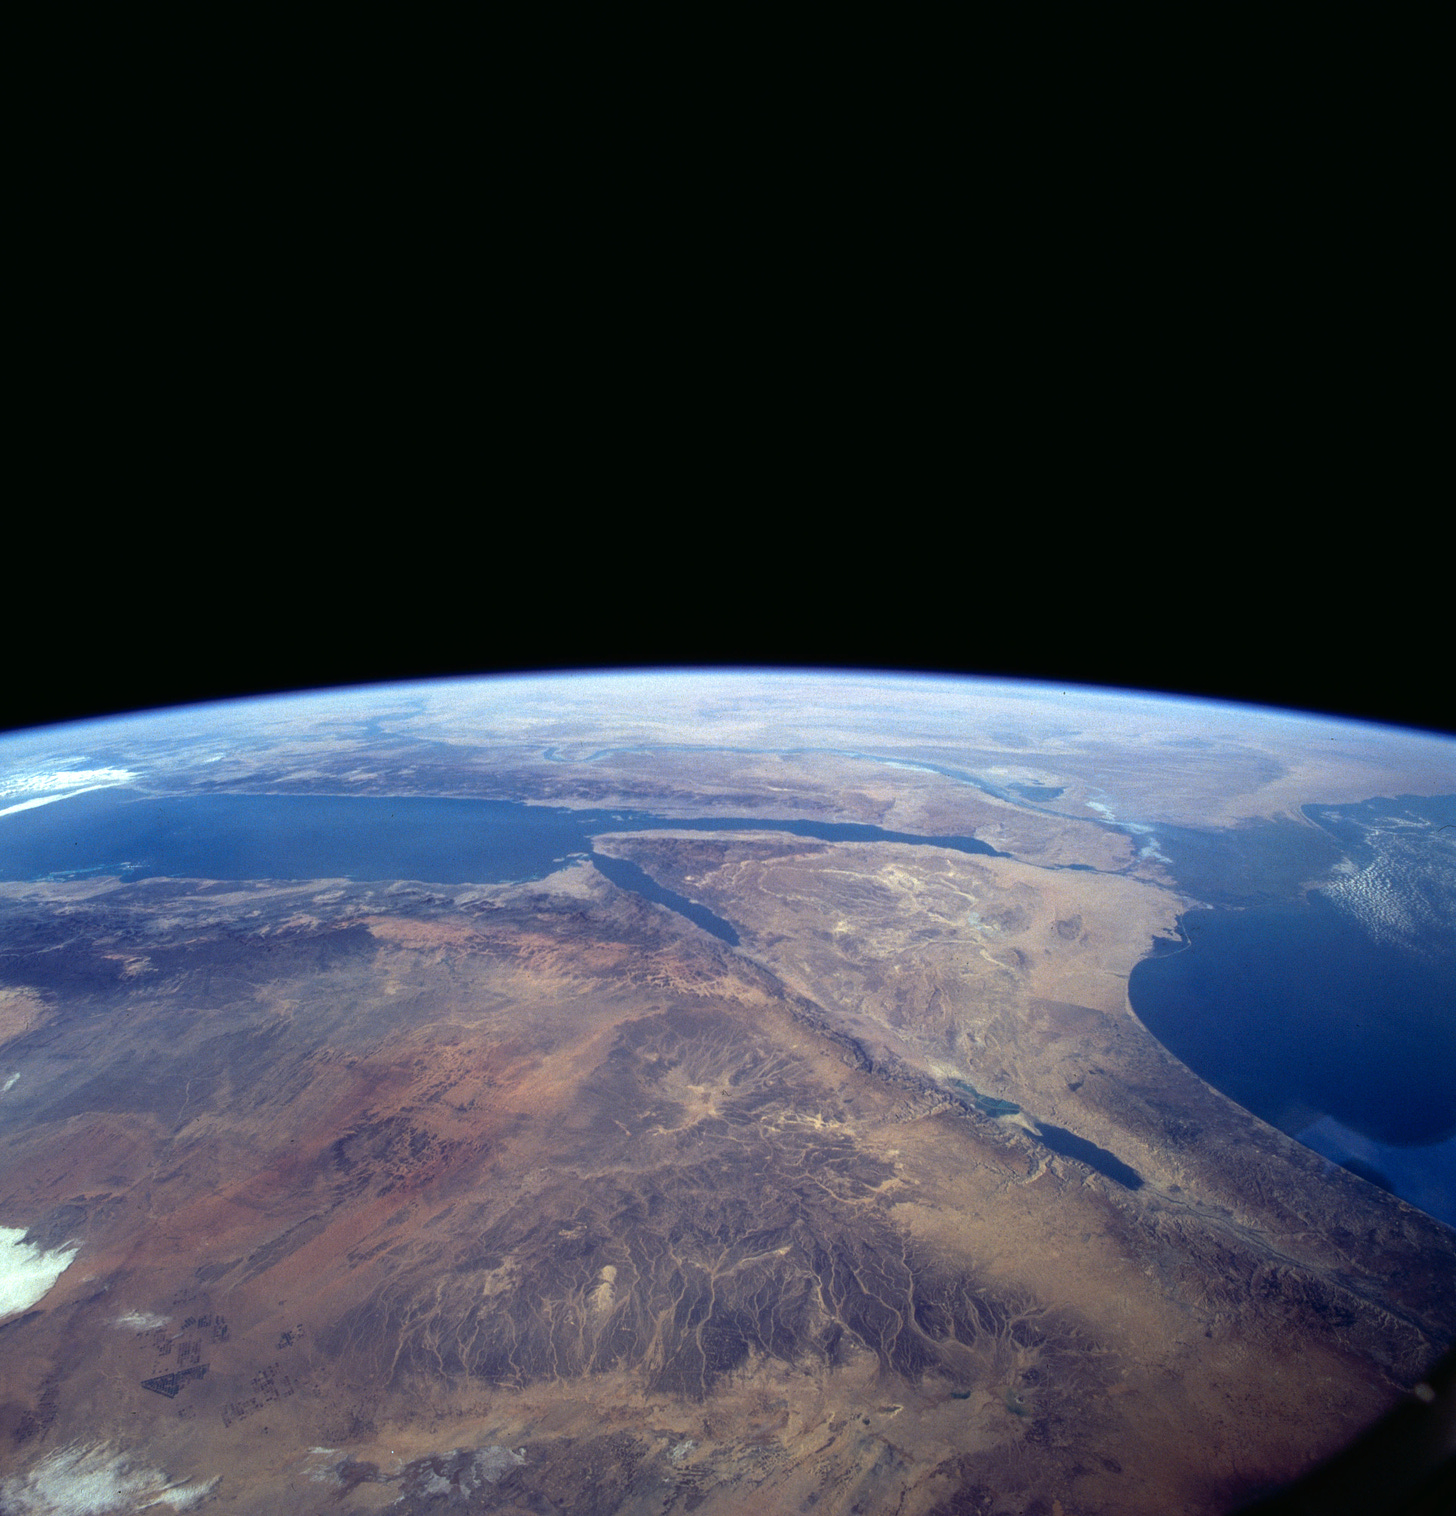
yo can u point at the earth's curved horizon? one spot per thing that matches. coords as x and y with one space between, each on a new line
702 1090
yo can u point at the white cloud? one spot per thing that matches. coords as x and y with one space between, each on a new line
64 781
27 1271
45 788
182 1497
30 805
140 1321
95 1481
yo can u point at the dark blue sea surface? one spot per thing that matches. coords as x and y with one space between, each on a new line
288 837
1332 1016
439 841
1298 1014
628 876
436 841
1070 1145
1255 864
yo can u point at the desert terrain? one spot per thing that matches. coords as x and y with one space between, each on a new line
349 1196
537 1198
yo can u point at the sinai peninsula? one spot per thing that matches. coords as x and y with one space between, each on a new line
718 1092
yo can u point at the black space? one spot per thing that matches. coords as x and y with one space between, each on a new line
249 629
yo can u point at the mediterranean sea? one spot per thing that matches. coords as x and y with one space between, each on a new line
1304 1018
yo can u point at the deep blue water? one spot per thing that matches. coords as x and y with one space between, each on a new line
288 837
437 841
628 876
1070 1145
1295 1012
1057 1138
1302 1014
1296 1006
